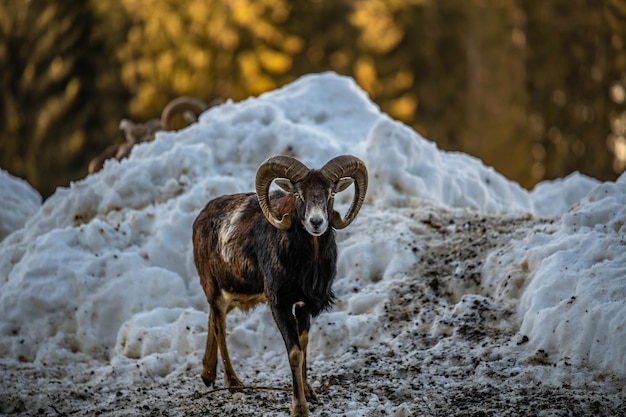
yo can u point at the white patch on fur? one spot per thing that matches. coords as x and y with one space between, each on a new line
226 234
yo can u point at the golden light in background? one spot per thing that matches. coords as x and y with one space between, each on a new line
379 31
617 142
274 61
404 107
365 75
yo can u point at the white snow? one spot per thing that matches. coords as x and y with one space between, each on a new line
568 282
18 202
103 272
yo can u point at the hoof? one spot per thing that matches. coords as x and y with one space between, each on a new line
233 384
301 411
309 393
208 382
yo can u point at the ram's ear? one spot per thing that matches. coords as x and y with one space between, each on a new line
343 183
286 185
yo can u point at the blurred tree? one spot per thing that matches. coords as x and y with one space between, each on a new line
328 42
496 99
48 85
204 48
383 66
469 80
535 89
485 78
572 62
615 14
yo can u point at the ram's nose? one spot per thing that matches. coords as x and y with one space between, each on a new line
316 225
316 222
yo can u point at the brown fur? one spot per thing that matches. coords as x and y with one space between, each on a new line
229 280
287 259
135 133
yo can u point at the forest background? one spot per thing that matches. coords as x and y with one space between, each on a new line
536 89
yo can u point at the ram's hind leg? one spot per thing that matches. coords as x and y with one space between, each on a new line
216 339
304 324
230 377
209 360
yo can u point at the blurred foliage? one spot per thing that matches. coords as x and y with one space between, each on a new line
535 89
53 98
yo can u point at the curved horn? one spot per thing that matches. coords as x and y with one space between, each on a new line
353 167
180 105
277 167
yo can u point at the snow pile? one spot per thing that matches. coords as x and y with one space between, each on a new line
568 283
104 270
548 202
18 203
405 168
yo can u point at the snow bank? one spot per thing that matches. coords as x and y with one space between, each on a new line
18 203
405 168
553 198
568 282
104 269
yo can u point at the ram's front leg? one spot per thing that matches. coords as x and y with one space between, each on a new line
303 317
288 327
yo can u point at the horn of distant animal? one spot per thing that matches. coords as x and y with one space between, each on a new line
135 133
